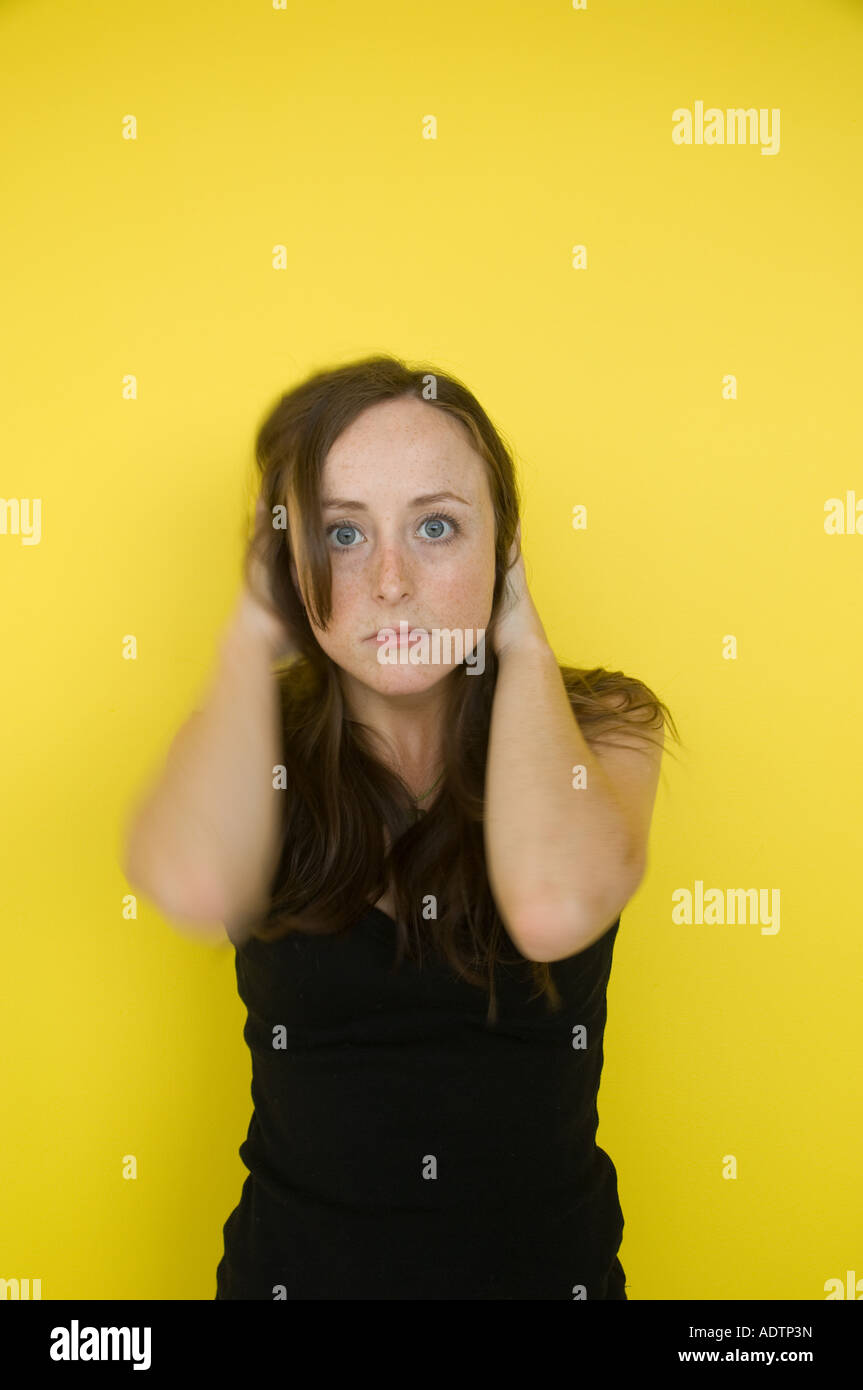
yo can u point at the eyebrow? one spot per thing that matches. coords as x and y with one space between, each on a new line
350 504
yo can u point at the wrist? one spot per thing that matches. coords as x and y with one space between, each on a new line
531 642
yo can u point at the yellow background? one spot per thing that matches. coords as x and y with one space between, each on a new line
303 127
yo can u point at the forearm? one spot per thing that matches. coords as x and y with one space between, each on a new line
204 840
556 854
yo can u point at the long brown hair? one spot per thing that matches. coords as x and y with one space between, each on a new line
339 795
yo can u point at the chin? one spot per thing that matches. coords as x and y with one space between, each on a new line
404 678
396 678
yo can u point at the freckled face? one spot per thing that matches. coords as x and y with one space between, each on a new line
394 559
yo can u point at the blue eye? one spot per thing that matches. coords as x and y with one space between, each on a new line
341 526
435 519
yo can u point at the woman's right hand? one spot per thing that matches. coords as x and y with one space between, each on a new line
256 609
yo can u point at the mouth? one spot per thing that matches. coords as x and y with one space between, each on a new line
396 632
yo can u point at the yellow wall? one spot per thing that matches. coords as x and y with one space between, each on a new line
705 568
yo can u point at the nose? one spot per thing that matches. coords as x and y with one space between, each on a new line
392 578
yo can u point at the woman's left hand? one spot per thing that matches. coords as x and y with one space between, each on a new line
518 617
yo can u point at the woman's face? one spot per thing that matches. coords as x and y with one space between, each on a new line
396 559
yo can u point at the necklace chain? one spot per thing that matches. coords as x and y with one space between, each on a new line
430 790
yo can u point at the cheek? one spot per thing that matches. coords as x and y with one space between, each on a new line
348 606
346 590
470 588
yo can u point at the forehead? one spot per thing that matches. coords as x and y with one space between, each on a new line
403 441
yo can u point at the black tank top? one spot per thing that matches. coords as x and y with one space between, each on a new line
402 1148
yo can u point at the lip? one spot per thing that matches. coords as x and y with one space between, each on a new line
395 628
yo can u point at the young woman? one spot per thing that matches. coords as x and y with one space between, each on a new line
420 850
